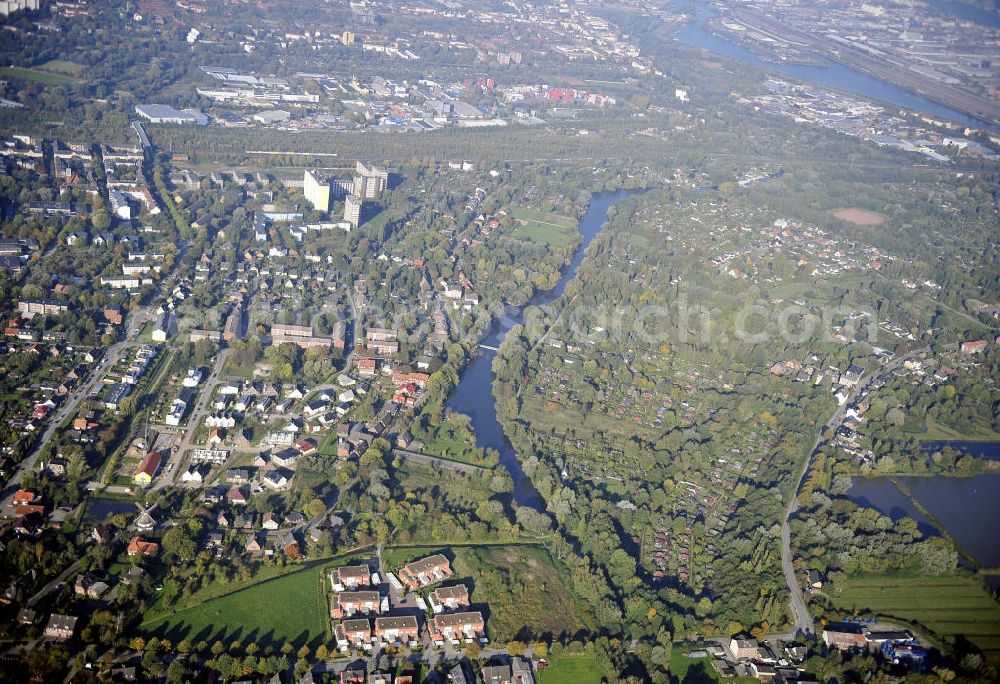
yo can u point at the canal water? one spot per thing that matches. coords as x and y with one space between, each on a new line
967 507
474 394
831 75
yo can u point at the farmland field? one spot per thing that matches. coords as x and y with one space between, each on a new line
295 613
948 606
570 669
554 229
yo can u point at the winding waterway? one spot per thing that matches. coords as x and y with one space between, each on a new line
831 75
474 394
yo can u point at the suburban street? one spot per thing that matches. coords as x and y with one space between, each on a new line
801 619
68 408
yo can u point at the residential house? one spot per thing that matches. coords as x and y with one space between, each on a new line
973 346
350 577
397 630
348 603
270 521
497 674
426 571
456 627
449 598
141 547
354 633
60 627
742 649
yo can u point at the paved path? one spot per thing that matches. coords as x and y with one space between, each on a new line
801 619
205 394
434 460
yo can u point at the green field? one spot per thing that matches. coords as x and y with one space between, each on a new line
553 229
64 67
289 609
947 606
570 669
691 670
36 76
978 431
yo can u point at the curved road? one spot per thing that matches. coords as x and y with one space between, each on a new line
801 619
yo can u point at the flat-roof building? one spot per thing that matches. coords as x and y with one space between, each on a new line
316 188
161 113
352 210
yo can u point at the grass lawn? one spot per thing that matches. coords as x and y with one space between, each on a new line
289 609
693 670
36 76
947 606
978 431
553 229
62 66
570 669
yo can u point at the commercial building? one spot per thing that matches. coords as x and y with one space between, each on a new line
161 113
9 6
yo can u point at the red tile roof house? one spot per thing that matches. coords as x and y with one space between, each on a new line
24 496
140 547
397 630
456 627
350 577
356 633
367 367
449 598
426 571
22 510
348 603
973 347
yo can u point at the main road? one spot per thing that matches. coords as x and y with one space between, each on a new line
68 409
801 619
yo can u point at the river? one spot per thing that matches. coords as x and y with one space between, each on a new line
967 507
832 75
474 394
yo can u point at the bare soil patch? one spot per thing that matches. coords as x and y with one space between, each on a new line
860 217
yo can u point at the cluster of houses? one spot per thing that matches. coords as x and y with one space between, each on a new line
840 381
924 369
120 381
370 610
63 366
810 247
742 656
